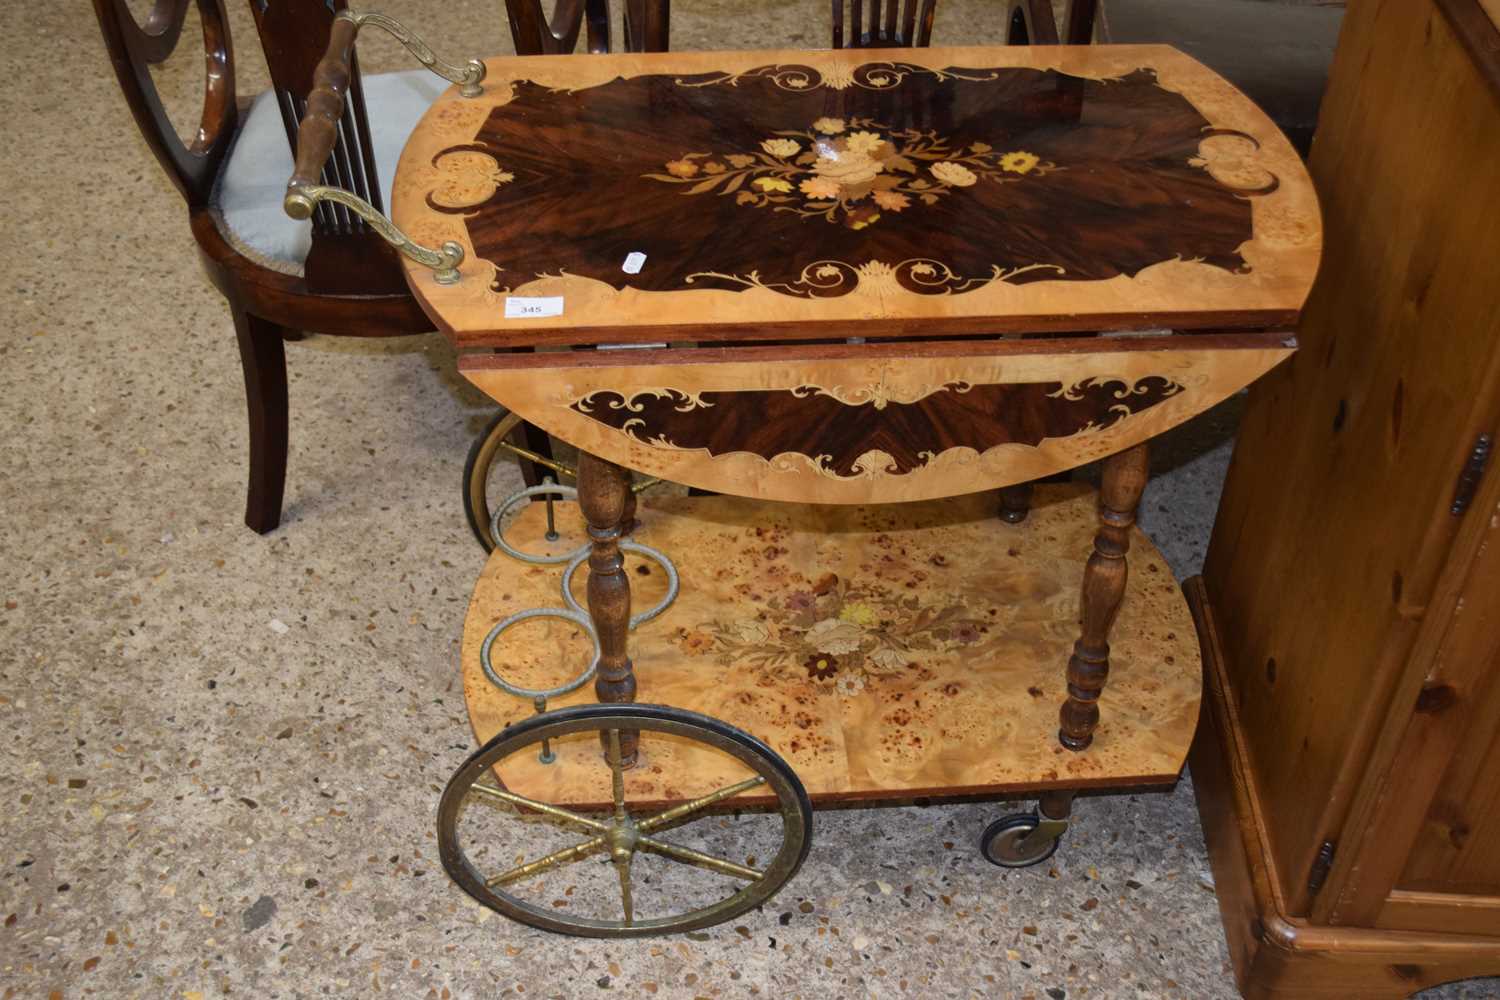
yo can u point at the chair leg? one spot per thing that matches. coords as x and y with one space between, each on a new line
263 358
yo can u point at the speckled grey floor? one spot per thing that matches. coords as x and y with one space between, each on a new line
222 752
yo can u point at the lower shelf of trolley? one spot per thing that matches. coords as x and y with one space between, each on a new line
892 652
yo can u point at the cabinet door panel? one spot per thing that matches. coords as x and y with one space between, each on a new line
1334 534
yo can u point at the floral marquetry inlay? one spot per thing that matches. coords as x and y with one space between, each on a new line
849 170
936 181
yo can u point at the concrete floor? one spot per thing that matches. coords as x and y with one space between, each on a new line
223 751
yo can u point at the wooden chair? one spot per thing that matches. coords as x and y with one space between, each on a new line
279 277
330 274
646 26
876 24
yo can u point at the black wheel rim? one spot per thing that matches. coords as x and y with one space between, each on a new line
477 467
1004 843
793 803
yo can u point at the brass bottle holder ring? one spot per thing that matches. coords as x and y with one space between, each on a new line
553 491
574 612
656 556
532 694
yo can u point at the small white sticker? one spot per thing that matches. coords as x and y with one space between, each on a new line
517 307
634 261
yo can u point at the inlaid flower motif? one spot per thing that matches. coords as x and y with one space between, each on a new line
799 600
1019 162
821 666
952 173
784 148
888 660
820 187
858 613
850 170
772 184
834 636
853 634
695 643
849 684
752 632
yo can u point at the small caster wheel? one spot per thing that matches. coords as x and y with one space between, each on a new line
1020 840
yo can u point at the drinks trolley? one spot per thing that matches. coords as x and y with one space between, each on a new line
863 299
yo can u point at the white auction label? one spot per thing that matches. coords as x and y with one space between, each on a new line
634 261
518 307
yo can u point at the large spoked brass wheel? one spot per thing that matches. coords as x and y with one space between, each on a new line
477 467
582 860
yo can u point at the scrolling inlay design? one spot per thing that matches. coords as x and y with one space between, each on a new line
839 430
928 181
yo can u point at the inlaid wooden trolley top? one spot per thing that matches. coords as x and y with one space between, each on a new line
844 278
719 195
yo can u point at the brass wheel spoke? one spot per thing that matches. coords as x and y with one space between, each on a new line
558 467
622 866
542 864
689 856
677 812
492 855
617 774
541 807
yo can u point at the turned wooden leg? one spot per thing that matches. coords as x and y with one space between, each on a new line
603 494
627 517
1103 587
1055 805
263 359
1015 503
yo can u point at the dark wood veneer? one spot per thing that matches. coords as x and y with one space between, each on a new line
836 434
1120 147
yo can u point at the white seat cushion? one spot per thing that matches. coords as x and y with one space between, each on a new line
253 182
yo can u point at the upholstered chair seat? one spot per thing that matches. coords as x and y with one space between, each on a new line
253 180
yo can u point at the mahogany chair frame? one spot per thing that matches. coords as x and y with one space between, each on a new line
861 24
647 26
351 283
268 306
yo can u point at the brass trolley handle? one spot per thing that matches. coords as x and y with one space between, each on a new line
318 132
468 76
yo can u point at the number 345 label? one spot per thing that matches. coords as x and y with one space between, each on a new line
536 307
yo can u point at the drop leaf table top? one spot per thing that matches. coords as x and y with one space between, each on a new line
860 276
807 194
